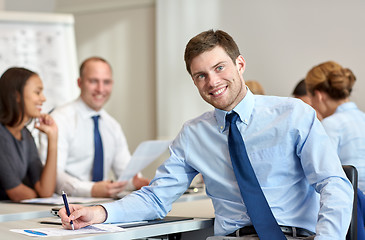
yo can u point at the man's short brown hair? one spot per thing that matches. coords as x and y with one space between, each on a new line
208 40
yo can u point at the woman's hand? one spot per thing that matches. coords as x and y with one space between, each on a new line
47 125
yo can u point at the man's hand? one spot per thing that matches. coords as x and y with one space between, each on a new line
139 182
107 188
82 216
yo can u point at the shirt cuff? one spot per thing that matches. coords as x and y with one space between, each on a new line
84 190
112 215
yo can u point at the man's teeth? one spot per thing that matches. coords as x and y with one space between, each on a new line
218 92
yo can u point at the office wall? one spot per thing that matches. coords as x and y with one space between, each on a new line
280 40
28 6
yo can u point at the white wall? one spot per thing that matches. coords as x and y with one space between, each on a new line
28 5
280 40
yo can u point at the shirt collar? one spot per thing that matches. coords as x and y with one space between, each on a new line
346 106
85 111
243 109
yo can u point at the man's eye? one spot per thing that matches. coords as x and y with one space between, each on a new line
220 68
200 76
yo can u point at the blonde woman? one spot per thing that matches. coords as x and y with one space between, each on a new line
330 86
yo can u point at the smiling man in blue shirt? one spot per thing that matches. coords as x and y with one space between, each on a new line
294 161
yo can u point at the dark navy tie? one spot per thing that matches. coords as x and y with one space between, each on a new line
257 207
98 166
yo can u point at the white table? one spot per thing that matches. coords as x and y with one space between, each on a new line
201 211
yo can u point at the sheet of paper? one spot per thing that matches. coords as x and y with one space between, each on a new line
52 232
57 200
146 152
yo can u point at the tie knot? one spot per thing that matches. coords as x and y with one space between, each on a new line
232 117
95 118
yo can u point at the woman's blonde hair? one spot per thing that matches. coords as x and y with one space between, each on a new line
332 78
255 87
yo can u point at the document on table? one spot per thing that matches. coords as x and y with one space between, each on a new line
96 228
146 152
52 232
57 200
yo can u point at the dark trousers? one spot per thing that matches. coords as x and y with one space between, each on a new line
360 215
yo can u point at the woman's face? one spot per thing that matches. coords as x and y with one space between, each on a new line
33 97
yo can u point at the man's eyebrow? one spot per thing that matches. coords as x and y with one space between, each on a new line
219 63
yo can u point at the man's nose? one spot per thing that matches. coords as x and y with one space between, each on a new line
100 87
213 80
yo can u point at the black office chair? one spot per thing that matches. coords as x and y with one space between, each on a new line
351 174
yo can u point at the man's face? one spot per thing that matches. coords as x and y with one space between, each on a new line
218 79
96 84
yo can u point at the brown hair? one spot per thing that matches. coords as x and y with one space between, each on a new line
12 83
255 87
208 40
300 89
95 58
332 78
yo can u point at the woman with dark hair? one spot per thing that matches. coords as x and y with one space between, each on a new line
22 175
330 86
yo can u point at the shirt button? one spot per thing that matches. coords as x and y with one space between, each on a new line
221 127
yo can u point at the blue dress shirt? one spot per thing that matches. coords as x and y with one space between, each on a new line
290 152
346 128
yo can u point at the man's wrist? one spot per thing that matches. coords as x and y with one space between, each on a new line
101 214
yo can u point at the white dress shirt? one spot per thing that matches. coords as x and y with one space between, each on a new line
76 147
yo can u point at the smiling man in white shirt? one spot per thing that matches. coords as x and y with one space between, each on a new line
76 137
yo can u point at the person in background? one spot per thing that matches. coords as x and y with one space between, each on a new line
22 175
293 160
300 91
330 86
76 155
255 87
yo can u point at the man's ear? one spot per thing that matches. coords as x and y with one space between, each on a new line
79 82
240 64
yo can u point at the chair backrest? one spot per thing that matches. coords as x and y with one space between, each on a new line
351 174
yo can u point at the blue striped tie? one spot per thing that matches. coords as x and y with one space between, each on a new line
257 207
98 166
